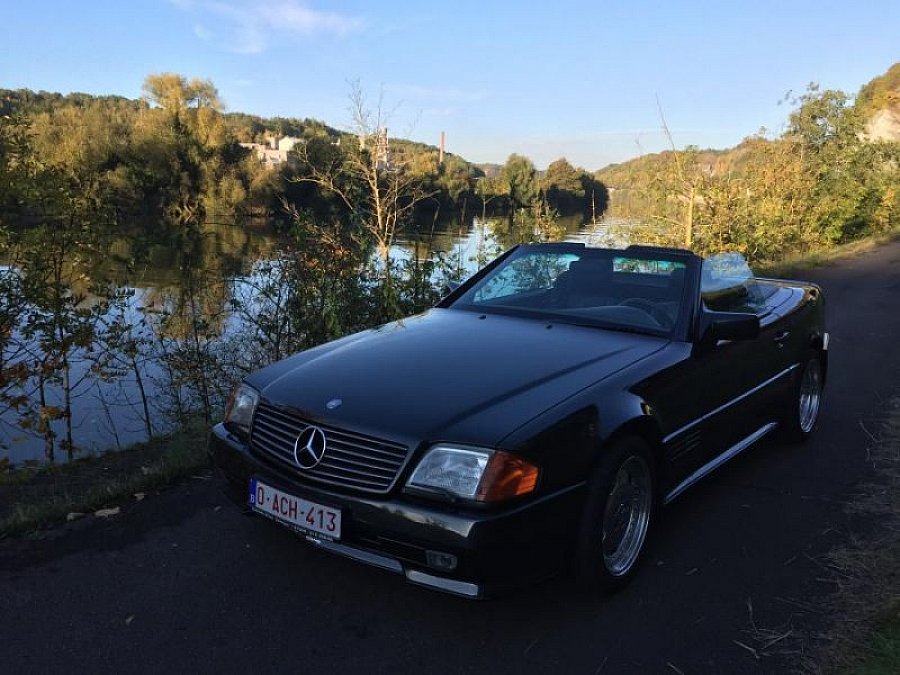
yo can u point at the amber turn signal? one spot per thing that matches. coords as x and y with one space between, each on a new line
506 476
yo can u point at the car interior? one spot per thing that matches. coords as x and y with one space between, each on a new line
631 291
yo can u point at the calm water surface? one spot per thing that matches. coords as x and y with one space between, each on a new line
109 414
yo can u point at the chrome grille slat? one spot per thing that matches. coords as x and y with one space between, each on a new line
374 462
275 412
368 448
340 478
335 464
275 425
275 439
338 435
351 460
259 431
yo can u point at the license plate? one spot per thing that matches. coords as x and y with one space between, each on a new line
299 514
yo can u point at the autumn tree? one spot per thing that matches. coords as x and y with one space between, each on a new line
562 185
455 178
569 189
175 93
517 178
373 181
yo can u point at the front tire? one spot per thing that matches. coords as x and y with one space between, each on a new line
618 516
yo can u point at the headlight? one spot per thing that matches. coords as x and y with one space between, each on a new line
240 407
479 474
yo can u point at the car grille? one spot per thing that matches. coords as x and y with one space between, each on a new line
350 460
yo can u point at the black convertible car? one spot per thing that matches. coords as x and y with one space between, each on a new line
541 413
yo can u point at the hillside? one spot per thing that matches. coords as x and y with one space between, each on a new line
638 172
174 152
242 127
878 102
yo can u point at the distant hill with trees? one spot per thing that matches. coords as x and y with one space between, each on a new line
879 104
177 153
832 176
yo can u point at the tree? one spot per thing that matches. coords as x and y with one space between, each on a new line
15 160
455 178
562 176
563 186
175 93
374 182
596 196
518 178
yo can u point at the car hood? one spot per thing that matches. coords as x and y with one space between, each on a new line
448 375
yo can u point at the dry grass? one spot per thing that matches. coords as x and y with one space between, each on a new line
32 499
792 266
864 636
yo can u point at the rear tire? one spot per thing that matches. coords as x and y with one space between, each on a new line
618 515
806 400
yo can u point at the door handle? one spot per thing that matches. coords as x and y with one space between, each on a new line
781 336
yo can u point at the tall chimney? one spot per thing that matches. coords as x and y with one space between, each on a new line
441 157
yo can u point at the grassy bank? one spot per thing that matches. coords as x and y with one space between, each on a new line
794 265
864 638
31 499
882 653
877 567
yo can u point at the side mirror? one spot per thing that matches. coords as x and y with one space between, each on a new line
450 287
717 326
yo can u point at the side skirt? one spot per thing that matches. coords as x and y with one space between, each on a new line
716 462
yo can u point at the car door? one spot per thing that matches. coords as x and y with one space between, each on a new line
716 397
700 402
790 337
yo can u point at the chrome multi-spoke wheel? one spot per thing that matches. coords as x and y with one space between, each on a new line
618 515
626 517
801 416
810 396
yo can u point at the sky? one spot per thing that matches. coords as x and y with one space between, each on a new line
590 81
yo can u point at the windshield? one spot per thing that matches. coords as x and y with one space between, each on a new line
616 289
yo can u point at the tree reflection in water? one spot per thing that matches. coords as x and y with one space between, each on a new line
152 327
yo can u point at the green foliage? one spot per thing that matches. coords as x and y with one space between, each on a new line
175 93
46 496
52 303
175 153
16 164
128 158
883 653
882 92
73 168
820 184
517 180
572 190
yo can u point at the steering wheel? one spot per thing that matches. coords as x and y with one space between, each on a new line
650 308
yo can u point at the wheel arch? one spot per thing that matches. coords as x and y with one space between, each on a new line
592 565
820 347
644 427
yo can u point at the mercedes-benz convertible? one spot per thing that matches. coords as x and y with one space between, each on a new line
536 419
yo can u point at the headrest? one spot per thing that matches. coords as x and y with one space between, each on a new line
591 267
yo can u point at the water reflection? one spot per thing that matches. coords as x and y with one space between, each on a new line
192 298
469 248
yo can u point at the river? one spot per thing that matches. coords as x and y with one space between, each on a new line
108 411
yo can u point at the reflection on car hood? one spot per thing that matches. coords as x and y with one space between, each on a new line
448 374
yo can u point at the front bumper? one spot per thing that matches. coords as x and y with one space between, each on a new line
494 551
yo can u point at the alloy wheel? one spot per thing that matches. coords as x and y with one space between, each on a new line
810 395
626 516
